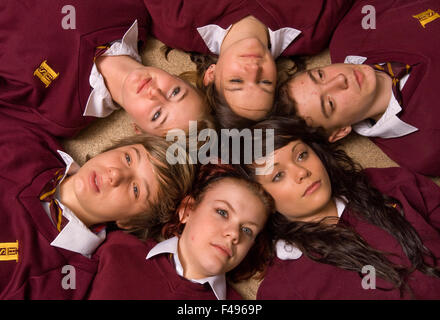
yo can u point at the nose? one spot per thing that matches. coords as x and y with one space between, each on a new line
115 176
232 232
299 173
156 94
339 82
252 69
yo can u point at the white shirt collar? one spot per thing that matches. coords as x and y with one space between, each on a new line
389 125
100 103
75 236
280 39
217 283
287 251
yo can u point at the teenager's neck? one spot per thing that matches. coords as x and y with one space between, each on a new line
383 96
248 27
329 210
114 70
68 199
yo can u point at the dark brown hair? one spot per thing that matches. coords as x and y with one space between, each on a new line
208 176
340 245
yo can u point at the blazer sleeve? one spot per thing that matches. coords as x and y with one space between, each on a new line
415 191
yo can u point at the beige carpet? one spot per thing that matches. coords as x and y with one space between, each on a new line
101 133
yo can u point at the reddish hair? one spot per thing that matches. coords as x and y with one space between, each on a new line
207 177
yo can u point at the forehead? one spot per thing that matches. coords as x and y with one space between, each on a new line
252 103
279 155
305 96
236 193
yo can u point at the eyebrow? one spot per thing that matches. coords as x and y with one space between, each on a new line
138 155
164 118
240 89
315 81
227 204
232 209
277 163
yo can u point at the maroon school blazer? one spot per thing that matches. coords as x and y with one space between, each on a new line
124 273
306 279
406 31
31 268
67 52
175 22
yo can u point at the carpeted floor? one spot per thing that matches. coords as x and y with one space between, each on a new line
101 133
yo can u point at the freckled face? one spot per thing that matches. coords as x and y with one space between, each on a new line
334 96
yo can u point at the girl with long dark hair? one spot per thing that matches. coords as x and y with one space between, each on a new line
341 232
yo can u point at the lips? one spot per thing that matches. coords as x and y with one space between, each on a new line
223 250
94 181
144 83
312 188
358 77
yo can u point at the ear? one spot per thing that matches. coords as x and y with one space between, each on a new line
136 128
209 75
338 134
185 209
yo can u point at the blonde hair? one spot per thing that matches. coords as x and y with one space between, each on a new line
174 180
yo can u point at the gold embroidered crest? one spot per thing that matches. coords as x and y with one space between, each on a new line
426 17
9 251
45 73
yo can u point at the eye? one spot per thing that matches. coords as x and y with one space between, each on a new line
236 80
266 82
136 191
128 158
247 231
303 156
222 212
156 115
278 176
332 105
320 74
175 92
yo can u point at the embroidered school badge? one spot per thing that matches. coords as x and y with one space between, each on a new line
426 17
46 73
9 251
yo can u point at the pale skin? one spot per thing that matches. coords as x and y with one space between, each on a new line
245 73
339 95
156 100
299 184
219 232
112 186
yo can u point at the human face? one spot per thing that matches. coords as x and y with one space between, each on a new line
299 182
221 229
334 96
158 101
245 75
114 185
